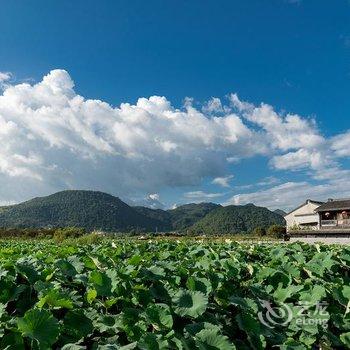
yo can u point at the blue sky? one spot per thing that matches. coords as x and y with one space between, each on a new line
291 55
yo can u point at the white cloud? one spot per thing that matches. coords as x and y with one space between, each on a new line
223 181
201 196
152 201
290 194
154 196
285 132
4 76
341 144
270 180
214 105
62 140
53 139
303 158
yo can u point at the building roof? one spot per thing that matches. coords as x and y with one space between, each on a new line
334 204
305 203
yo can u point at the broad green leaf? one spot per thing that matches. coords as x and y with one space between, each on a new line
55 299
190 303
281 294
12 341
151 341
160 316
314 295
101 282
199 284
91 295
345 338
40 326
211 339
76 325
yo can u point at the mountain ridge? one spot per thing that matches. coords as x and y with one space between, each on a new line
95 210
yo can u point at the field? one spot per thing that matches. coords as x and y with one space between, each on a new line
169 294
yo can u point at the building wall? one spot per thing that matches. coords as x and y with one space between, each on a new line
303 216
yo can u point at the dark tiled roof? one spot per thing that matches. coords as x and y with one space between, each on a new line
341 204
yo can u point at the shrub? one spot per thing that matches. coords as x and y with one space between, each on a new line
259 231
277 231
68 232
10 233
91 238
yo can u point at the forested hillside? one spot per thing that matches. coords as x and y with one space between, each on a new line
237 219
100 211
87 209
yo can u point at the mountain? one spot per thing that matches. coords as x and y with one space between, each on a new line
101 211
180 218
161 217
280 212
88 209
236 219
187 215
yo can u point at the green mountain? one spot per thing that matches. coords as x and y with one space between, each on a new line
280 212
162 218
237 219
187 215
100 211
180 218
88 209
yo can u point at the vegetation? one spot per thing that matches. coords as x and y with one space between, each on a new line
187 215
180 218
162 217
170 295
260 231
235 219
87 209
280 212
277 231
100 211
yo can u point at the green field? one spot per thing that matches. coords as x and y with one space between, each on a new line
171 294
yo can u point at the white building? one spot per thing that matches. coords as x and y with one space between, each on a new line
304 216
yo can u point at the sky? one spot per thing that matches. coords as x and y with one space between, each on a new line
168 102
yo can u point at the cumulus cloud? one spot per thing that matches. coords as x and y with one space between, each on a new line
341 145
285 132
53 138
152 201
223 181
214 105
302 158
290 194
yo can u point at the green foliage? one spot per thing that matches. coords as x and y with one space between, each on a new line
91 211
39 325
68 232
27 233
277 231
127 294
180 218
87 209
236 219
259 231
187 215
